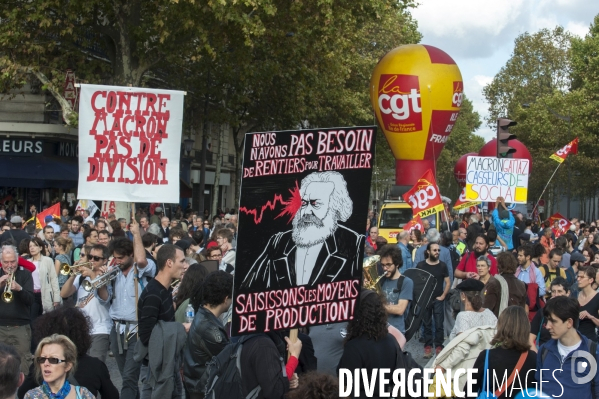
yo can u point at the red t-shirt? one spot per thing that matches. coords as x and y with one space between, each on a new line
468 263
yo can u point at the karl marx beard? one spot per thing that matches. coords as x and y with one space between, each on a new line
309 230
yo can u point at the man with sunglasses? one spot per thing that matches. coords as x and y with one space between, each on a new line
436 309
90 303
15 316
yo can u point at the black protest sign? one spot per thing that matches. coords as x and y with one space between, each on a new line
302 218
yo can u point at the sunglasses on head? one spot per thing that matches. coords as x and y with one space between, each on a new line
52 360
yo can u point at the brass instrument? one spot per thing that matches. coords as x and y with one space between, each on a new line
132 333
7 295
67 270
175 285
102 279
371 275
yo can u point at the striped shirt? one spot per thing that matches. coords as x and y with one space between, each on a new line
155 304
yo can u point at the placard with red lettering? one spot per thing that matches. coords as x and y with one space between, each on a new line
129 143
300 241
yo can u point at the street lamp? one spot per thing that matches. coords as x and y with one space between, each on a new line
188 145
566 118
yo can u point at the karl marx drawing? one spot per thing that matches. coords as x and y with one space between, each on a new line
318 249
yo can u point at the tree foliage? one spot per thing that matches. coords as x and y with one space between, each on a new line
539 65
550 87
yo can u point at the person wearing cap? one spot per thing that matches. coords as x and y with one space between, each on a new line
15 233
524 239
50 222
474 314
577 261
504 223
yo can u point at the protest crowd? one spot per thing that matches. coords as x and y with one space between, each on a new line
497 293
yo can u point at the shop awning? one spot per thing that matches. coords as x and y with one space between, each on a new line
38 172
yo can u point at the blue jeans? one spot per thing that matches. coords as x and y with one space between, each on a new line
436 311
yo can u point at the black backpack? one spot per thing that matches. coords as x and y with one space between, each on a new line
424 287
224 373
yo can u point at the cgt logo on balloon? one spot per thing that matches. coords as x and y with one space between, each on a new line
399 102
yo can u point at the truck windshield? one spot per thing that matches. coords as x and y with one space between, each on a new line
395 218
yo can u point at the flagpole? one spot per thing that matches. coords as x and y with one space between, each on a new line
546 185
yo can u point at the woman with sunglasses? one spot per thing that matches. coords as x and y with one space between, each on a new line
91 373
55 360
45 281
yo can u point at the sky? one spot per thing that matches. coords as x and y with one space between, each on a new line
479 34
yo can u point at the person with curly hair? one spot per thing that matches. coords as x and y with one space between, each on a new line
368 344
314 385
91 372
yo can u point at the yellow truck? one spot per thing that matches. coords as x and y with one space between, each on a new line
395 214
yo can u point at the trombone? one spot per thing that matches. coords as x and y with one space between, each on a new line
7 295
67 270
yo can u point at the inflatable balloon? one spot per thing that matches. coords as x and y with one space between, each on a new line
416 92
459 170
490 150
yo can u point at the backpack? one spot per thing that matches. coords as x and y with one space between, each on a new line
224 373
535 302
559 273
424 287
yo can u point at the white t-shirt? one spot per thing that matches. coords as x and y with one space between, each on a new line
98 313
566 350
35 275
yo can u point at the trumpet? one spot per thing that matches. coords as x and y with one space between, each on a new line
67 270
101 280
175 285
7 295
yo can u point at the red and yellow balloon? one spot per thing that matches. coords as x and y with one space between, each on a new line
416 92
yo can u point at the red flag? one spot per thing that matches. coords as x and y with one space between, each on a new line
570 148
53 211
415 223
563 224
424 197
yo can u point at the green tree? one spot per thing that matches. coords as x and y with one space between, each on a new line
546 80
115 42
462 140
539 65
310 68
